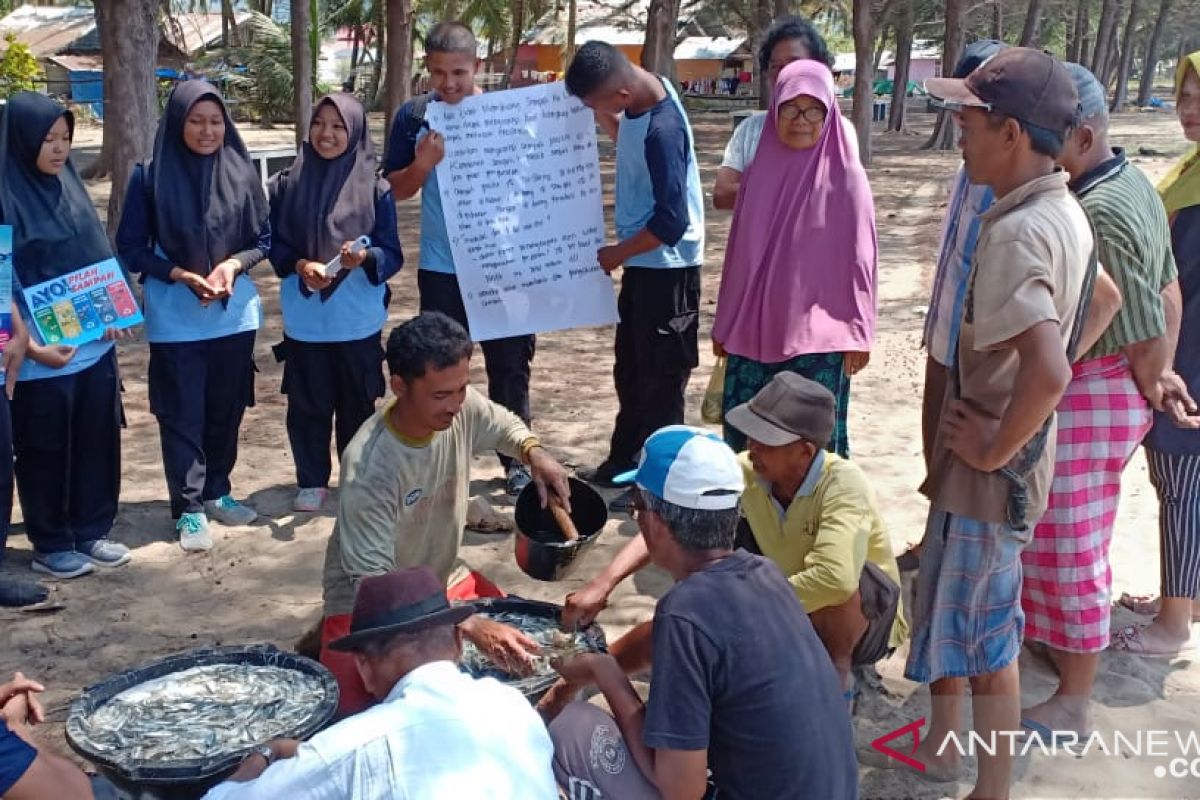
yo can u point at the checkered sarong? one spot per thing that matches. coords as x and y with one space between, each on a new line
967 616
1067 590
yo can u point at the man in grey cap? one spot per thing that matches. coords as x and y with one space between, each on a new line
993 453
1102 418
813 513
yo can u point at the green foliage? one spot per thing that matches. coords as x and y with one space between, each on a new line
256 72
19 70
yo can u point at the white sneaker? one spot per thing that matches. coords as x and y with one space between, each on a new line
228 511
194 533
310 499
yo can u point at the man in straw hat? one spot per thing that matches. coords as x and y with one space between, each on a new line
436 732
741 686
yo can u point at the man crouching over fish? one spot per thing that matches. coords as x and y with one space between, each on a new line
436 732
403 491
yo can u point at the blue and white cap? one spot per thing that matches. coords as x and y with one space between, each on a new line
689 467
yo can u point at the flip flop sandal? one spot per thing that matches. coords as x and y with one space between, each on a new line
1129 640
1051 737
1145 605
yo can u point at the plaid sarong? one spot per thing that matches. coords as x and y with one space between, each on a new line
1067 591
967 617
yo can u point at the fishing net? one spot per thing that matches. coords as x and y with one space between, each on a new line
195 714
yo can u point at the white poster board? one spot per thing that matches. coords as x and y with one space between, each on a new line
520 188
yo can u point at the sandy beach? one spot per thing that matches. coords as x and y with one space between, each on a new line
262 583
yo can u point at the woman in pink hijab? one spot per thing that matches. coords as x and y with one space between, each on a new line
798 289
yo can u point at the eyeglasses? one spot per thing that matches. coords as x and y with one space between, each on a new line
813 114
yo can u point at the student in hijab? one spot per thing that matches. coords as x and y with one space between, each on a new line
195 222
333 356
66 410
798 289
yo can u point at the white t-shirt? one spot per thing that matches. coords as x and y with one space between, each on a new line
739 152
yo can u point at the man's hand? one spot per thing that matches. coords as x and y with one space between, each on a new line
222 277
719 349
854 362
115 334
970 434
205 292
580 670
17 702
610 257
549 476
1176 402
284 748
582 607
506 647
352 259
313 275
555 700
430 150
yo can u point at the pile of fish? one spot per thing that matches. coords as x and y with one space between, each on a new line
555 644
204 712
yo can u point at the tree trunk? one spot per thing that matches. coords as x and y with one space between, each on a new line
128 42
658 51
1121 95
1085 40
904 43
864 81
227 22
944 135
1105 75
518 28
302 85
761 20
998 20
1033 23
1108 20
1150 65
569 42
354 48
782 8
381 38
399 55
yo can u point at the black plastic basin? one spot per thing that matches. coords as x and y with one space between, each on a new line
542 552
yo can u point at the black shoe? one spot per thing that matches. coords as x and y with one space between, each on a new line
516 478
17 592
602 475
622 503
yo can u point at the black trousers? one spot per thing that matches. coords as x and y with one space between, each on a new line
67 441
6 469
656 351
509 361
325 381
199 391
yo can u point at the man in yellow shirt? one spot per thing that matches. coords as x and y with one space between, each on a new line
829 540
814 514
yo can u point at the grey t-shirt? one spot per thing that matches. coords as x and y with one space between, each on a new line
739 671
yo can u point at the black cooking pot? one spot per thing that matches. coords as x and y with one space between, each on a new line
542 552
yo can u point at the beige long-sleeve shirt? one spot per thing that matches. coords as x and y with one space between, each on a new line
403 503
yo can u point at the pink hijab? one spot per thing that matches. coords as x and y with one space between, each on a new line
800 264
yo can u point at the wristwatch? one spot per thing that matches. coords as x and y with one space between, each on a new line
266 752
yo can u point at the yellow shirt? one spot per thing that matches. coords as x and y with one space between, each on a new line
825 536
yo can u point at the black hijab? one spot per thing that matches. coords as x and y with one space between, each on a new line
206 207
55 226
325 202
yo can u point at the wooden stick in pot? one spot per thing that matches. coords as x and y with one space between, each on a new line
565 523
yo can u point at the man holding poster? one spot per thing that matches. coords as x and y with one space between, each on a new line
413 153
660 224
